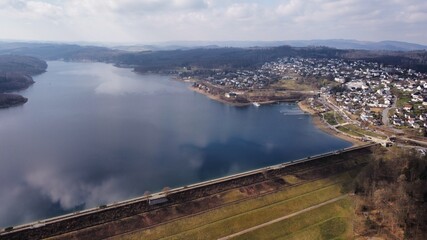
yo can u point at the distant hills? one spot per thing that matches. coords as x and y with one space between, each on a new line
64 50
21 65
360 45
172 56
58 51
332 43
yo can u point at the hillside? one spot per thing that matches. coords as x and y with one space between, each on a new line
218 57
15 74
9 100
331 43
54 51
254 57
14 81
22 64
391 195
208 57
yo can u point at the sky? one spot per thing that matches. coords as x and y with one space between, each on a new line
147 21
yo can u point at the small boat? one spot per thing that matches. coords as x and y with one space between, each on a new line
256 104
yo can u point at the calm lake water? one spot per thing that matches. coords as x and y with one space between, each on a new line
92 134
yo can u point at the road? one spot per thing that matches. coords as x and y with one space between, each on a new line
413 140
387 127
385 118
325 100
282 218
386 122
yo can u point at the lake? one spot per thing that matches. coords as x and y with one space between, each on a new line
92 134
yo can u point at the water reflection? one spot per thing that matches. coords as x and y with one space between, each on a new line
93 134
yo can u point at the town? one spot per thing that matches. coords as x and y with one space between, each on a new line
367 93
236 79
373 93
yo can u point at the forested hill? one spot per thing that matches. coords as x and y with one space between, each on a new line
22 64
255 57
219 57
54 51
208 57
15 74
416 60
16 71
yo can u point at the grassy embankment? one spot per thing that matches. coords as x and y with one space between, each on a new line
334 119
358 132
332 220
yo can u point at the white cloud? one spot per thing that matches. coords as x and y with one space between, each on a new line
243 11
42 9
290 8
70 192
162 20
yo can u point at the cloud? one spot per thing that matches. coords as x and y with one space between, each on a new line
134 6
42 9
243 11
70 192
162 20
289 8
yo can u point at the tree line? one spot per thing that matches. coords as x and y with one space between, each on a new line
392 193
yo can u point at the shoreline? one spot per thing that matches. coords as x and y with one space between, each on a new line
236 104
303 106
318 123
316 120
217 98
9 100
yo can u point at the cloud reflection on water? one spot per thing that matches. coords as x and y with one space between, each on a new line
70 147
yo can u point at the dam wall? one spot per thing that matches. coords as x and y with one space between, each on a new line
115 212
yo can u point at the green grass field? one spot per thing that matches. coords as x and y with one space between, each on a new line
330 118
238 216
402 100
350 131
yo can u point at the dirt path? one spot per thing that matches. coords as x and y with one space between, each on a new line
282 218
